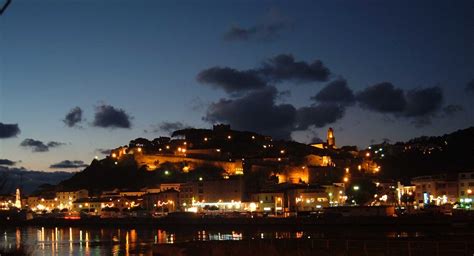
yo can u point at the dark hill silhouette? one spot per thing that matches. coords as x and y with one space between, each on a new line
449 153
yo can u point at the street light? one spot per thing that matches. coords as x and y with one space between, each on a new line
356 188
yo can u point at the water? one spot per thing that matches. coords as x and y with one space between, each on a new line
140 240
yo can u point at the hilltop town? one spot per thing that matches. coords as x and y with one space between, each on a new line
223 171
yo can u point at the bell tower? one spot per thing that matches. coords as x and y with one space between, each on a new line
331 140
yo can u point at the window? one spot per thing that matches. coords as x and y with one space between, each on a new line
461 184
462 193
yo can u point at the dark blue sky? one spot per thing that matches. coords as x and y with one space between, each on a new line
144 57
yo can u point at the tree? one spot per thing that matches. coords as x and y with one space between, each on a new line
361 191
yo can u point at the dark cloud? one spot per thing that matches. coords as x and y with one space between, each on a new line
419 105
73 117
318 115
237 33
9 130
104 151
68 164
336 92
255 111
281 67
452 109
171 126
470 86
265 32
39 146
272 26
421 121
7 162
423 102
315 139
383 97
284 67
107 116
231 80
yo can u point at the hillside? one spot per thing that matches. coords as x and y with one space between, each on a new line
402 160
425 155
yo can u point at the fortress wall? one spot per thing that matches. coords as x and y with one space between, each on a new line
154 161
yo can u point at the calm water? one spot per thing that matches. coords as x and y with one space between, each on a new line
139 241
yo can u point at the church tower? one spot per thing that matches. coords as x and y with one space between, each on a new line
18 199
331 140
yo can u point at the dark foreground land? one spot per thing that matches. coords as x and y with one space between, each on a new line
322 247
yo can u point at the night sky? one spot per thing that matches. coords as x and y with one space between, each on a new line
81 77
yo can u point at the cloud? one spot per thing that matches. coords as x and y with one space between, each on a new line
237 33
73 117
104 151
419 105
264 32
171 126
270 29
107 116
470 86
284 67
231 80
69 164
318 115
39 146
336 91
256 111
7 162
9 130
423 102
277 69
421 121
383 98
452 109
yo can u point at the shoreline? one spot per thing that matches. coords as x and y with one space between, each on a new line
367 222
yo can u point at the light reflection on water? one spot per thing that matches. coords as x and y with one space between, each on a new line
126 241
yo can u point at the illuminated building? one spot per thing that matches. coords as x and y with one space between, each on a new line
163 187
331 140
466 189
224 190
270 201
164 201
7 201
436 189
95 206
42 203
64 199
18 199
466 184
